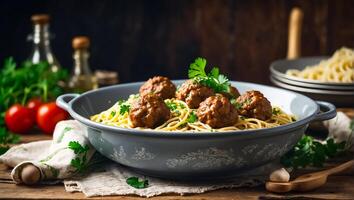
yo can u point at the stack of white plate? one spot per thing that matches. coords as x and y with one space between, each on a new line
340 94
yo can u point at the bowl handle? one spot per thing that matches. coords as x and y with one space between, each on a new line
327 111
64 100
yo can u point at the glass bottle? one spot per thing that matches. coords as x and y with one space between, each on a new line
41 42
81 79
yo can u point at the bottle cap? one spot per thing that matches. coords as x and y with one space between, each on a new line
40 19
81 42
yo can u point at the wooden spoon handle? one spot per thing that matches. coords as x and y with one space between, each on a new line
294 37
340 168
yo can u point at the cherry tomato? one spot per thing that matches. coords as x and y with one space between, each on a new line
48 115
18 119
33 105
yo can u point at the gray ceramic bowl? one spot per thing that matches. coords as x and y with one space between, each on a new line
193 155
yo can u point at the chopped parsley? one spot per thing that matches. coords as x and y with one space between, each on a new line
237 105
113 113
218 82
276 111
171 105
124 107
192 118
136 183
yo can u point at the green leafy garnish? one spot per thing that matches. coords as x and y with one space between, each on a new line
136 183
79 163
237 105
171 105
309 152
113 113
218 82
276 111
192 118
124 107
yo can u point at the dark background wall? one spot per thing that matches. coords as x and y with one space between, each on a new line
142 38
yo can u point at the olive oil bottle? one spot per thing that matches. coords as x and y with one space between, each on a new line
41 42
81 79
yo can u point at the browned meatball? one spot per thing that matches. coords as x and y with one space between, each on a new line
159 85
254 104
217 112
193 93
148 111
232 94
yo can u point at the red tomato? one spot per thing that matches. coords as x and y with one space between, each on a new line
33 105
49 115
18 119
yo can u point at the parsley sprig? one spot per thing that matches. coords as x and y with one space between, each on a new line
124 107
136 183
309 152
218 82
80 162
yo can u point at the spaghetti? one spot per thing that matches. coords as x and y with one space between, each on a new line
339 68
184 119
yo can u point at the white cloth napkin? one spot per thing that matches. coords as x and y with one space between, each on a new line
105 177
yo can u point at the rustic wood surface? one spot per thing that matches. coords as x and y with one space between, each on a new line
338 186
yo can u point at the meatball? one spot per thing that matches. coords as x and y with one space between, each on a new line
232 94
217 112
193 93
159 85
148 111
254 104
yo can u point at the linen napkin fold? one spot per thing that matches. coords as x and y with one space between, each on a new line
53 158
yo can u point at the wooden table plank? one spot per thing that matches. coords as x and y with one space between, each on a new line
338 187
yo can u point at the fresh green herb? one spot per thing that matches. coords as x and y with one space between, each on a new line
20 83
80 162
218 82
113 113
124 107
237 105
171 105
192 118
276 111
136 183
309 152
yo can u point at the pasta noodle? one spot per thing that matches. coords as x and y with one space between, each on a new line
339 68
179 122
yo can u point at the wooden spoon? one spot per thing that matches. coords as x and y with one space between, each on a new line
307 182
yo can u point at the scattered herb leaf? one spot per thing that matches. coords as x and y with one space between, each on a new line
309 152
79 163
136 183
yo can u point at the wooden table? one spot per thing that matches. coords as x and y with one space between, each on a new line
338 187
